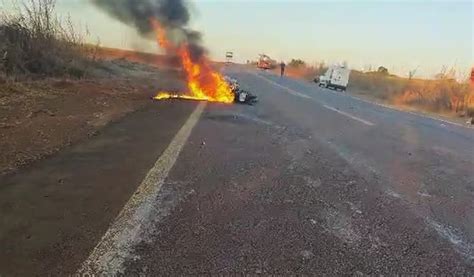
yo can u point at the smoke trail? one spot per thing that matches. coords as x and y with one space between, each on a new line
173 15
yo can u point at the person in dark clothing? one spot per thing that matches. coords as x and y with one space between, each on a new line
282 67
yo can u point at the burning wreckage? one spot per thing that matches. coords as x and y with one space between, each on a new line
241 96
168 22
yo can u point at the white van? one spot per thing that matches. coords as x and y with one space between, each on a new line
336 77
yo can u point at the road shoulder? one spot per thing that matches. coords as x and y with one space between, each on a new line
55 211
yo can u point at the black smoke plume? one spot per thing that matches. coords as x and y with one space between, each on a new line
173 15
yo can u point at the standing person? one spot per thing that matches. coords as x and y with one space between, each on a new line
282 68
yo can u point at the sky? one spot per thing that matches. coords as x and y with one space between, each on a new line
400 35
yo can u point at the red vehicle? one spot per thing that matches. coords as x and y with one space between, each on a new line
265 62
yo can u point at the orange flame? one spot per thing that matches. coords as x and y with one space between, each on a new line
203 82
160 35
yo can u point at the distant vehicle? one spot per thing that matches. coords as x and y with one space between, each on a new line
336 77
265 62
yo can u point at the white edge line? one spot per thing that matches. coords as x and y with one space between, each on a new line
326 106
130 226
422 115
394 108
349 115
412 112
291 91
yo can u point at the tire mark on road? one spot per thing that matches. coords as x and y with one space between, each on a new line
130 226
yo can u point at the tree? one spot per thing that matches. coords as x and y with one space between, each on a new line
412 72
382 70
296 63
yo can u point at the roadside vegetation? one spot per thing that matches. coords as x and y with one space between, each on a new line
35 42
298 68
443 94
55 89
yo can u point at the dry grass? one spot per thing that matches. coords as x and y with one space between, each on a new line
34 41
444 95
376 85
438 96
304 72
106 53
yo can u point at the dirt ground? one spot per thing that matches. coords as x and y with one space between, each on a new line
41 117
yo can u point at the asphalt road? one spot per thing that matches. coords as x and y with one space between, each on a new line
307 181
